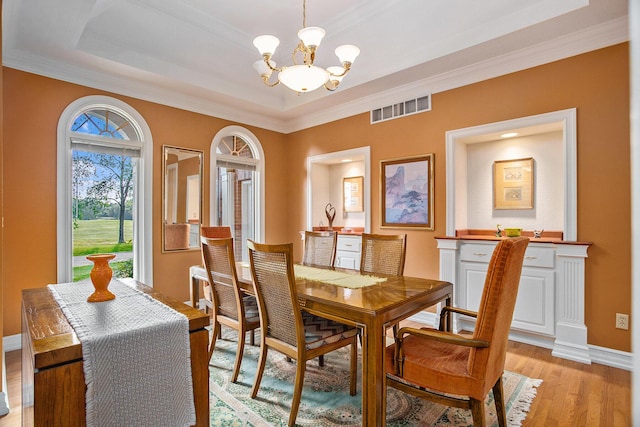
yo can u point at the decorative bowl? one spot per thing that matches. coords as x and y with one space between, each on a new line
512 232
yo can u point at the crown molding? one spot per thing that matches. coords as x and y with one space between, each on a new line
590 39
220 106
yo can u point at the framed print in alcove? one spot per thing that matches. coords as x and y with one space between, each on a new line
406 192
352 200
513 184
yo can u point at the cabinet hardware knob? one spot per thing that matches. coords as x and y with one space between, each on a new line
480 254
530 257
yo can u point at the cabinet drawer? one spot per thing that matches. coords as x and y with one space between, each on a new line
535 256
349 244
477 252
539 257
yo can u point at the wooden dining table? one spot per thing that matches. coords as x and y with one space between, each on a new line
372 308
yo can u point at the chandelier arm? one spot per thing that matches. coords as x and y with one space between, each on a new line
346 67
267 60
333 86
265 80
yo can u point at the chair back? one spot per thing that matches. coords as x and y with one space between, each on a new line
219 261
274 287
496 308
216 232
320 247
383 254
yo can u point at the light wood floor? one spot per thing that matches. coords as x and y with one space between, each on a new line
572 394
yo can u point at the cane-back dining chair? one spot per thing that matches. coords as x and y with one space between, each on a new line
320 248
230 306
285 327
383 254
216 232
436 364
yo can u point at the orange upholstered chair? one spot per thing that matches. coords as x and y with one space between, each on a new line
436 364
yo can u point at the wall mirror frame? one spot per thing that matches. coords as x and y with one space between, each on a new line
182 174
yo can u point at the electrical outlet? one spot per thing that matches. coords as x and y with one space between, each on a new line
622 321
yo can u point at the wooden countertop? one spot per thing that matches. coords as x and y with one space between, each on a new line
489 235
355 231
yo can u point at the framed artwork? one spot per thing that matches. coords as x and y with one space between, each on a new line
352 200
406 192
513 184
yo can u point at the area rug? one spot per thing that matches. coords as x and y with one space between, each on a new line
325 397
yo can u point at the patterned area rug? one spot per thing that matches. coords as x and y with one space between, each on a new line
325 397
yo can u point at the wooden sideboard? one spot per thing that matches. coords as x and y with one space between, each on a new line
53 386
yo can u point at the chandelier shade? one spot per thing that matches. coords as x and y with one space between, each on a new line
303 76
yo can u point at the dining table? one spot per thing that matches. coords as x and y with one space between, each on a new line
372 308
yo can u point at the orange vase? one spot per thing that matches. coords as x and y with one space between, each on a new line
100 277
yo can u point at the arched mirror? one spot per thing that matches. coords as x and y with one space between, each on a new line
181 198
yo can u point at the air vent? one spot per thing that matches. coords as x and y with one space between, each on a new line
400 109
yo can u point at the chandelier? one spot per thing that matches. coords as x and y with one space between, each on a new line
303 77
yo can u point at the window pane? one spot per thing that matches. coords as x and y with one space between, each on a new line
104 123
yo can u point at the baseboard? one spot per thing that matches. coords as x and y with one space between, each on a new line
4 397
609 357
12 342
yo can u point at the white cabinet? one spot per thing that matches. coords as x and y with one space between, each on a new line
549 308
534 310
348 250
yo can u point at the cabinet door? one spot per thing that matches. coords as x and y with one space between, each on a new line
534 307
347 260
534 310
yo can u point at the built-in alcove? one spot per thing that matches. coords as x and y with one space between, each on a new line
325 174
550 139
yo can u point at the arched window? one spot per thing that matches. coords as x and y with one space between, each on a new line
237 185
105 156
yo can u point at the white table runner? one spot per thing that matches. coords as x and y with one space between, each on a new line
338 278
136 355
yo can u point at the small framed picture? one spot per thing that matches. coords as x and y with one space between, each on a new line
352 200
513 184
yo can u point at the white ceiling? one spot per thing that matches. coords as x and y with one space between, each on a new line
198 54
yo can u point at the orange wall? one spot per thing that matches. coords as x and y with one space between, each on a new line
597 84
32 106
1 213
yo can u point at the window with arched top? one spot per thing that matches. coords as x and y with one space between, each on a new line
237 185
104 188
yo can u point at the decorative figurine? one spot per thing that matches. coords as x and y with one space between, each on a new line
499 232
330 211
537 233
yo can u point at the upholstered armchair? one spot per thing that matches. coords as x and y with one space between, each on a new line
436 364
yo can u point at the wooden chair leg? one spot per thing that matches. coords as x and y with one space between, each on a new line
239 353
214 337
297 392
321 360
477 412
259 370
498 397
353 380
253 337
